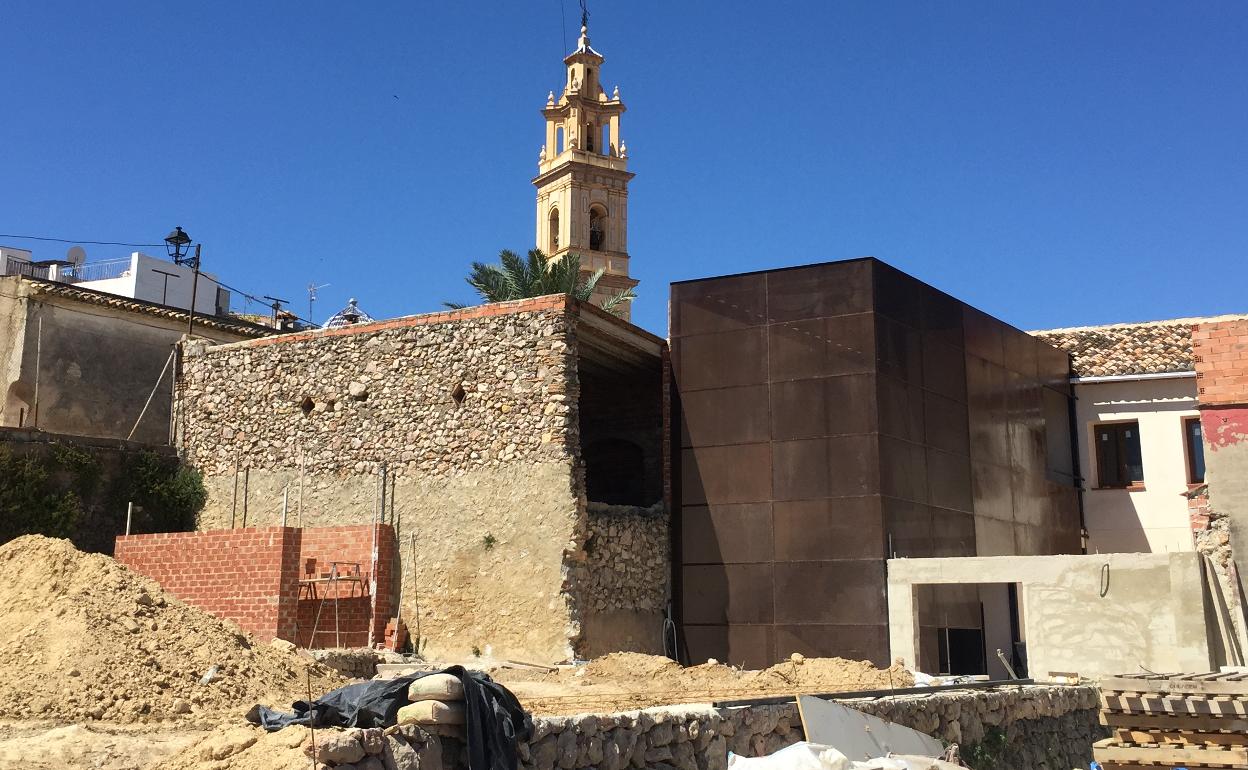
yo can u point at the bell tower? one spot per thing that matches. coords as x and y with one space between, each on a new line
582 178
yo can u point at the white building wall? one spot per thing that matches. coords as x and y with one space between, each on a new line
1153 519
146 280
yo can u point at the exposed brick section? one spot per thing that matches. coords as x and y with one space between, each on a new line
355 601
1220 351
1198 510
243 575
251 577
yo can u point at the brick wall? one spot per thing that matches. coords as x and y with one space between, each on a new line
346 609
251 577
243 575
1220 350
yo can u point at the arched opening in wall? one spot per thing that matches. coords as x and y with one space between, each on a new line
560 140
615 472
307 405
554 231
597 228
590 131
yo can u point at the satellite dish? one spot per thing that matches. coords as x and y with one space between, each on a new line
76 255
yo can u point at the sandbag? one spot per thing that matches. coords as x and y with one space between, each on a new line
433 712
443 687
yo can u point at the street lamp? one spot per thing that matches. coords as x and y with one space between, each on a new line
179 243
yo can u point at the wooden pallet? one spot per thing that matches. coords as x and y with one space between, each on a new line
1174 720
1111 752
1215 683
1181 705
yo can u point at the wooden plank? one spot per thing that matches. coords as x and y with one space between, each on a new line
1162 737
1192 722
1219 686
1170 755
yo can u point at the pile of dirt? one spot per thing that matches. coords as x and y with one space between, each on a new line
84 638
629 680
245 748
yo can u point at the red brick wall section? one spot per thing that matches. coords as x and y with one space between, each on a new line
252 577
1220 350
346 622
243 575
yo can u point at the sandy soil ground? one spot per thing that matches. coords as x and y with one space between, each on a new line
623 681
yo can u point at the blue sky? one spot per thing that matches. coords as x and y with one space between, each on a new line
1055 163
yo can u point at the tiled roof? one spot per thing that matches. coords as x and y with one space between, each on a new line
70 291
1152 347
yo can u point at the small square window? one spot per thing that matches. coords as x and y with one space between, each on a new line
1118 459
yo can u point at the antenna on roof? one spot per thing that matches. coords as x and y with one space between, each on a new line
312 289
76 255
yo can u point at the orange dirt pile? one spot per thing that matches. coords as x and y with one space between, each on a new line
84 638
627 680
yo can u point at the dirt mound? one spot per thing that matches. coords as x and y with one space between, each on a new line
629 680
84 638
244 748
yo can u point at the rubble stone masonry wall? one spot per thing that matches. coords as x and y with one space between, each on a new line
628 579
474 415
1023 728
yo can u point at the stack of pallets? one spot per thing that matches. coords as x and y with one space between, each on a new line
1174 720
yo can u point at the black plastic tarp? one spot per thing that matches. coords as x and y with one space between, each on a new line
494 722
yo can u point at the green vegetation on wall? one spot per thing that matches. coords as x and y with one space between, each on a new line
64 490
31 501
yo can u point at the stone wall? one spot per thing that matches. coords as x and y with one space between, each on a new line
79 488
1014 728
1026 728
474 415
628 579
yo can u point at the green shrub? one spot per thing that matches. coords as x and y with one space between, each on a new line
31 500
168 493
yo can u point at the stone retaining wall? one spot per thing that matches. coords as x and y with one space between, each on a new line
1019 728
627 579
1022 728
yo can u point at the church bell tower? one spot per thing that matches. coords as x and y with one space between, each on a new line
582 179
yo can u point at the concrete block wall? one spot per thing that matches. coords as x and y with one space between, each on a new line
247 576
251 577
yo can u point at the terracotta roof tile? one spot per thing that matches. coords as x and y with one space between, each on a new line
1152 347
70 291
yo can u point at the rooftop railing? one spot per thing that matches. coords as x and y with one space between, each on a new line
95 271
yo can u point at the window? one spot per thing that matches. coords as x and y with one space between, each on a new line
1118 460
1195 450
589 137
554 230
597 229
